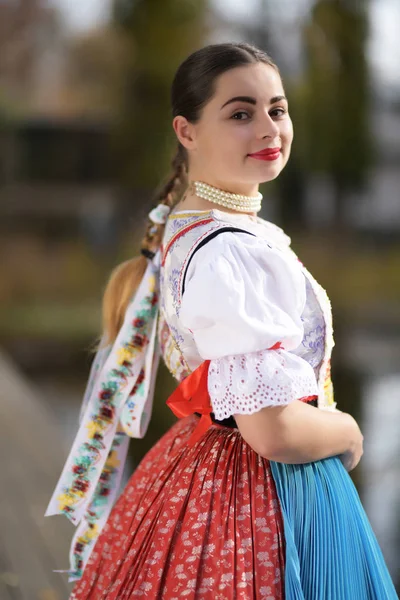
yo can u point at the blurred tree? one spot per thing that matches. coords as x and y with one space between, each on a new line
258 30
335 96
161 34
96 63
5 126
27 28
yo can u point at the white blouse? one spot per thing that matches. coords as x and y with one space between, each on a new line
241 297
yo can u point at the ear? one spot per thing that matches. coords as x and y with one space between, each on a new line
185 132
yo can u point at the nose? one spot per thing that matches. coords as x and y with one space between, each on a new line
267 127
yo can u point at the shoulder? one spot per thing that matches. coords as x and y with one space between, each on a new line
185 231
242 291
241 250
238 266
216 243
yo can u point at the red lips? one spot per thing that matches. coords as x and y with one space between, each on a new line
267 154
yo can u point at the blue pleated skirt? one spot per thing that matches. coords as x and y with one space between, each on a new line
331 550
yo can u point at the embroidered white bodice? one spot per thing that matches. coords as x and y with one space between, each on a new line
229 299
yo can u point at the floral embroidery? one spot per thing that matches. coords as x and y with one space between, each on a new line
314 340
328 387
162 298
104 413
99 509
312 347
163 336
326 393
178 223
173 357
178 337
173 284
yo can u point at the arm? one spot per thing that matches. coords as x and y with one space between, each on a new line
298 433
239 301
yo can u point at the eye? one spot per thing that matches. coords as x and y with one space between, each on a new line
278 112
240 112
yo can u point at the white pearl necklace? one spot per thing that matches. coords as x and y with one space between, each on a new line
227 199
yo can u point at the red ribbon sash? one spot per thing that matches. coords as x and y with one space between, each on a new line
192 396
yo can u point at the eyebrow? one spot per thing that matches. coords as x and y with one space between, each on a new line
252 100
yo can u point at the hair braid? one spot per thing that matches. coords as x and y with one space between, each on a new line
126 277
169 195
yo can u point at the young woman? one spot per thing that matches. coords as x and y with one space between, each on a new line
248 495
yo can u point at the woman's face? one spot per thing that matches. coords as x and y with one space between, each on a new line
247 114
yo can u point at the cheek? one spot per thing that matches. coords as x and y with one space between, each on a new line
214 141
223 143
245 133
286 132
238 141
228 143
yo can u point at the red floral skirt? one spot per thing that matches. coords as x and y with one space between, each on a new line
198 522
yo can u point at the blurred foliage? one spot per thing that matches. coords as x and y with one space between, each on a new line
160 33
51 321
360 279
6 111
28 29
97 61
333 98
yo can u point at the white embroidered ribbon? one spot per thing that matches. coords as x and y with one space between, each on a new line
99 509
98 363
136 412
120 389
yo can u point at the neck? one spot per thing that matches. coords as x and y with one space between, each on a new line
190 201
236 202
232 187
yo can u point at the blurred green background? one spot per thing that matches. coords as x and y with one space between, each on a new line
86 137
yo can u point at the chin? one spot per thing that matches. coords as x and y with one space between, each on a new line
269 171
271 175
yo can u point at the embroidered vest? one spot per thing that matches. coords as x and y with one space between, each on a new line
187 232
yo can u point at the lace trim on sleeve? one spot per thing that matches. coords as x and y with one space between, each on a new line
246 383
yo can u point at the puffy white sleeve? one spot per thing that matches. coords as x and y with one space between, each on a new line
241 298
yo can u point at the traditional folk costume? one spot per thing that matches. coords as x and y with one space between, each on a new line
242 325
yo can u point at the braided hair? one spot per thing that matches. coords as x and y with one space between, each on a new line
126 277
169 195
